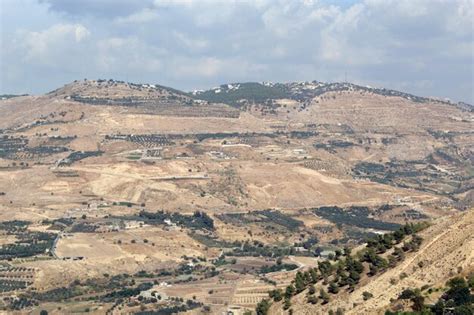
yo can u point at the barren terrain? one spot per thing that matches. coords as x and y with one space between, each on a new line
106 185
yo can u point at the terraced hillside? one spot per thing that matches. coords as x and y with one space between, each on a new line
121 197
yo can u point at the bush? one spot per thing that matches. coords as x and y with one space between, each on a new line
367 295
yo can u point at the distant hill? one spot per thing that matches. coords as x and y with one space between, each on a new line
112 91
238 93
7 96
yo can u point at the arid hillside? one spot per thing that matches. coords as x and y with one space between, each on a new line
115 190
446 251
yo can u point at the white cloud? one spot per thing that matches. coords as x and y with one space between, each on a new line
127 54
190 42
43 45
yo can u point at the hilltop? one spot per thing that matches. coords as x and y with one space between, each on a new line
241 93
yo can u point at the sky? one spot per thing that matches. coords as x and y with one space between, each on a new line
424 47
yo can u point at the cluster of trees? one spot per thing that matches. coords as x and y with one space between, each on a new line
18 303
307 280
278 267
346 270
57 294
383 243
354 216
12 285
273 217
257 249
127 292
457 299
281 219
29 244
14 226
211 241
252 92
199 220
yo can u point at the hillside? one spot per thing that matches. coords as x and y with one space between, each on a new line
446 251
254 92
110 189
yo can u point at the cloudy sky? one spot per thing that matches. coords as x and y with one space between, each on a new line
424 47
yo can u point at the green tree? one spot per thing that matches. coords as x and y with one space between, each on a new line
299 282
262 307
367 295
287 304
312 299
290 291
324 296
314 275
333 287
470 280
276 295
458 291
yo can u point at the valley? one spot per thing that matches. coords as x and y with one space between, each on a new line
132 198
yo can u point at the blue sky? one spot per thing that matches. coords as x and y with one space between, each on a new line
425 47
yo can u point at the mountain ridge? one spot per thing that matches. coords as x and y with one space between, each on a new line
232 93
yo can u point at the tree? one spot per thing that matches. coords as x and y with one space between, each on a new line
470 280
262 307
312 299
407 294
314 275
44 312
418 302
354 276
324 296
398 235
367 295
333 288
373 270
299 282
458 291
325 268
463 310
276 295
287 304
290 290
312 290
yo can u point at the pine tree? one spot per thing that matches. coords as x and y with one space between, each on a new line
333 288
290 290
324 296
299 282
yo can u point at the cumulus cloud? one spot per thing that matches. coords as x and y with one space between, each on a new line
44 46
421 46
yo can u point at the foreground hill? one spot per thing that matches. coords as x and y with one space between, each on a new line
446 251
